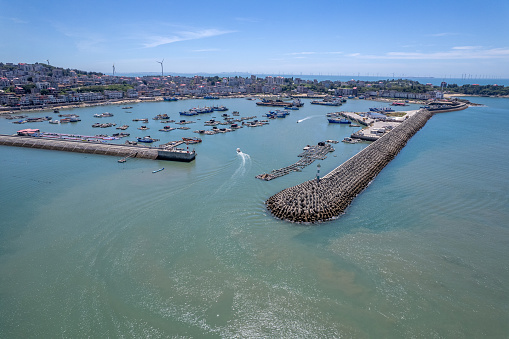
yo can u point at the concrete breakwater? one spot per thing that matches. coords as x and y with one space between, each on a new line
315 201
124 151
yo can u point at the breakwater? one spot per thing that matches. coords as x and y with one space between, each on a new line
315 201
124 151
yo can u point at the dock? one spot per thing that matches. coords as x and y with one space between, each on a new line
117 150
315 201
311 154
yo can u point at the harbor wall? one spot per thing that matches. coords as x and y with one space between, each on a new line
79 146
315 201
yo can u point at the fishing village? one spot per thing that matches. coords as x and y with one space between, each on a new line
249 170
313 201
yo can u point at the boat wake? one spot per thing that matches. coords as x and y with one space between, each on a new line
244 166
306 118
245 161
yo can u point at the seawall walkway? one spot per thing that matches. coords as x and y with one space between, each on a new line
314 201
123 151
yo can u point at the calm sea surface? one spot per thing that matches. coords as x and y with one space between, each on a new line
90 247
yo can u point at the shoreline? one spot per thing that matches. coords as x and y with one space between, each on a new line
50 107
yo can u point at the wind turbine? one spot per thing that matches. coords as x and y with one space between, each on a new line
113 69
161 62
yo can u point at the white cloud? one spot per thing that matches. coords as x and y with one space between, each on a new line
155 41
467 47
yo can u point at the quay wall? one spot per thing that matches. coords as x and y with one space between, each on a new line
79 146
315 201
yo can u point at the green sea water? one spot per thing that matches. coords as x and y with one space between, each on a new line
90 247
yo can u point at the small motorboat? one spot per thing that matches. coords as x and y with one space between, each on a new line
238 150
146 139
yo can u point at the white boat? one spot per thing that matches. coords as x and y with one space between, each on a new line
54 121
238 150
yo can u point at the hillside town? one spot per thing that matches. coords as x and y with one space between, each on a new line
36 85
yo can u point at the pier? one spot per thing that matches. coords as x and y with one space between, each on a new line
326 199
123 151
311 154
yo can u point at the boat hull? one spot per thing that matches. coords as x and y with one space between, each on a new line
182 156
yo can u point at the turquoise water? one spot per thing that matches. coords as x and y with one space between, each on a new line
93 248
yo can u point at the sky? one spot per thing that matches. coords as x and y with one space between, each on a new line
398 38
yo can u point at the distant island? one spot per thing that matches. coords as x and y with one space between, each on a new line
39 85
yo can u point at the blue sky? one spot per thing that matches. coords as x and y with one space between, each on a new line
404 38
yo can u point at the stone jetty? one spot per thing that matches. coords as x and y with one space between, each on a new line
314 201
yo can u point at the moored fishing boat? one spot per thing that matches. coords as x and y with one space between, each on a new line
146 139
339 121
192 140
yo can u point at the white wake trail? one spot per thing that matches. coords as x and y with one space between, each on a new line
245 164
306 118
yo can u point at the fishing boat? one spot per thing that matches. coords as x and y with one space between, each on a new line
146 139
219 108
167 128
339 121
161 117
192 140
335 102
280 103
350 140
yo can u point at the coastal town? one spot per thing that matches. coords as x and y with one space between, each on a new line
42 86
31 86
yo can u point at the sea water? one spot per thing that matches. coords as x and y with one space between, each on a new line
90 247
